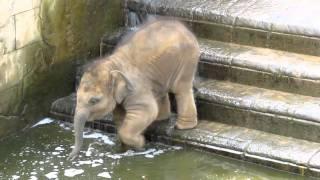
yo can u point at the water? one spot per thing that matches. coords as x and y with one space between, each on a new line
40 153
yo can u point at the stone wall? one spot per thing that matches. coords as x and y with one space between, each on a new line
41 41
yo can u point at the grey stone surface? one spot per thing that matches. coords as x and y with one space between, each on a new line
284 149
266 122
26 25
261 100
7 34
262 59
263 23
314 162
262 67
65 105
279 152
279 16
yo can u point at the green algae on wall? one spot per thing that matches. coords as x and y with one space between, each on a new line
74 28
37 65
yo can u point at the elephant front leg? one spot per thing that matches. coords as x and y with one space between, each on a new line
187 112
135 123
164 108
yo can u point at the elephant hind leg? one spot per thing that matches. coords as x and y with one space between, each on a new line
187 112
164 108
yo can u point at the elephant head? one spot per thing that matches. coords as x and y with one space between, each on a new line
98 93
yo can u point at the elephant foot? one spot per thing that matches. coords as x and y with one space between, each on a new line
125 148
131 140
73 155
186 123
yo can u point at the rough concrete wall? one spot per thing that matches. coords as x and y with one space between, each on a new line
40 43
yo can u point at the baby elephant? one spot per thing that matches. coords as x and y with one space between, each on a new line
160 57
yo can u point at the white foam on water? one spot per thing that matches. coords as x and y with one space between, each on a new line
85 162
14 177
176 147
105 175
89 151
130 153
158 152
52 175
114 156
97 161
55 153
33 173
33 178
62 125
154 153
97 135
72 172
59 149
43 121
95 165
149 156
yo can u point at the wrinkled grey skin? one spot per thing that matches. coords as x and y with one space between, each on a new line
159 58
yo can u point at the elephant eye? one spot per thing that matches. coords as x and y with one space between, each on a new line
94 100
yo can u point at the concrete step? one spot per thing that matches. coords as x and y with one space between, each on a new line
262 67
279 152
271 111
289 25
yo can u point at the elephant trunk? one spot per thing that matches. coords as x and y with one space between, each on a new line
80 119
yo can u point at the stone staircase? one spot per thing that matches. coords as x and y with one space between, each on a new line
257 89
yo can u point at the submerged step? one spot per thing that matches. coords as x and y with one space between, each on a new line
279 152
284 25
257 108
261 67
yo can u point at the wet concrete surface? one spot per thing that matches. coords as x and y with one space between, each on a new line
285 153
273 24
261 59
262 109
259 99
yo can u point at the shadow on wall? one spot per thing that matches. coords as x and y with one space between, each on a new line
41 41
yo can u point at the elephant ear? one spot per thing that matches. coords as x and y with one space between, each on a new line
121 85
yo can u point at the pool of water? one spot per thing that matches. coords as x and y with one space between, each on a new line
40 153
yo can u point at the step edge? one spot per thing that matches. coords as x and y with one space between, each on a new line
232 60
224 19
220 100
296 119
